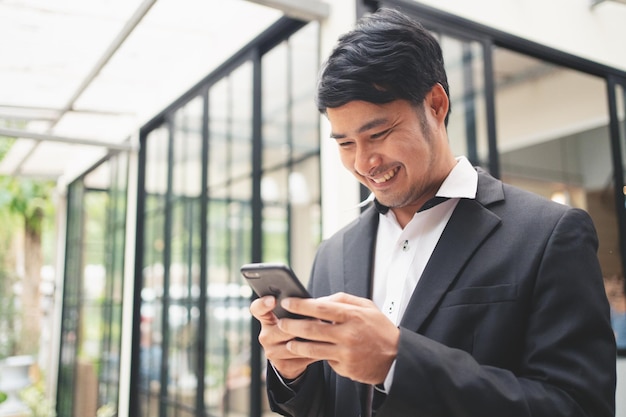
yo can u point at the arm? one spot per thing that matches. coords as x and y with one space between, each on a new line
567 361
306 399
281 360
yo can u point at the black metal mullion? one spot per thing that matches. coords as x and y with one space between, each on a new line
135 380
228 246
257 230
618 168
490 108
202 304
469 101
188 222
289 131
111 254
68 309
167 259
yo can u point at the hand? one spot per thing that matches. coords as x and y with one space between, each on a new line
274 340
356 339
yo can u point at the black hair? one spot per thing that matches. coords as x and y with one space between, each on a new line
387 56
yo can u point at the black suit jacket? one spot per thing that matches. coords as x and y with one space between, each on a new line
509 318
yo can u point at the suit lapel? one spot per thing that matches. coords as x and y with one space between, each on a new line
358 247
470 224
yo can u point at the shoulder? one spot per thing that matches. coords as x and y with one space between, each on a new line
506 199
528 212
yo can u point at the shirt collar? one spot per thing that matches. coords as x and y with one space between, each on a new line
461 182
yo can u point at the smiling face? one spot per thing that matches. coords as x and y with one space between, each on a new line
397 150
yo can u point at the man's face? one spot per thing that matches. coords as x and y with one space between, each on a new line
395 149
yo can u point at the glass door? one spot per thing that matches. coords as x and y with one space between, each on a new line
554 139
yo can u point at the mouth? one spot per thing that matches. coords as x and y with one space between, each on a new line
380 179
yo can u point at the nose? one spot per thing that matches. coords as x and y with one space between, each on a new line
366 161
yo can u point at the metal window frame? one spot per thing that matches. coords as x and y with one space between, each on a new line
252 52
462 28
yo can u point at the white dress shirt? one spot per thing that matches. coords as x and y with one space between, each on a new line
401 254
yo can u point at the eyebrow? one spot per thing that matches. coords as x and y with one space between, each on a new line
367 126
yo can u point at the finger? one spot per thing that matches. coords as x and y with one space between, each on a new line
261 309
312 350
320 308
342 297
309 329
334 309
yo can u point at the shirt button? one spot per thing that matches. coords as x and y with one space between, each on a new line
405 246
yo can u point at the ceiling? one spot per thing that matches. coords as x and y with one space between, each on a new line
78 78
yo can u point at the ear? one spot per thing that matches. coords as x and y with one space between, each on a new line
437 102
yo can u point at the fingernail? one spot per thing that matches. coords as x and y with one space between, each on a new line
268 301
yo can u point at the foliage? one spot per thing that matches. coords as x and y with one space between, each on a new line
8 279
35 399
5 145
27 198
25 205
107 410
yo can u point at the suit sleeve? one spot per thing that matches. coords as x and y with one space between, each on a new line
567 364
307 401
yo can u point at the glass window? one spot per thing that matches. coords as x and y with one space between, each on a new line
467 130
182 281
228 235
615 284
305 215
71 299
553 140
92 319
303 61
196 329
151 329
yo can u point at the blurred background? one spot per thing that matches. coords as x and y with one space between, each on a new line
150 148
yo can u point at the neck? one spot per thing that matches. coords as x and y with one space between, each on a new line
404 214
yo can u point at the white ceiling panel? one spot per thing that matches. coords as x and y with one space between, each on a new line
97 70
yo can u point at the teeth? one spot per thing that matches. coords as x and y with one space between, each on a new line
389 175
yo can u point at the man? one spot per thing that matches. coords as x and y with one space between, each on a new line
486 300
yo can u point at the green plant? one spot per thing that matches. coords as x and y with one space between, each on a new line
28 203
35 399
107 410
9 315
25 206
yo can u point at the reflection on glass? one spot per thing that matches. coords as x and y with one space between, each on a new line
615 284
151 341
304 116
554 141
195 320
92 305
229 197
467 121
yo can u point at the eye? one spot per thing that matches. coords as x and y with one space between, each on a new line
344 144
381 134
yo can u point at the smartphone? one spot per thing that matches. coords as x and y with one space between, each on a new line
275 279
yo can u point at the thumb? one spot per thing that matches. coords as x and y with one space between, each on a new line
262 307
